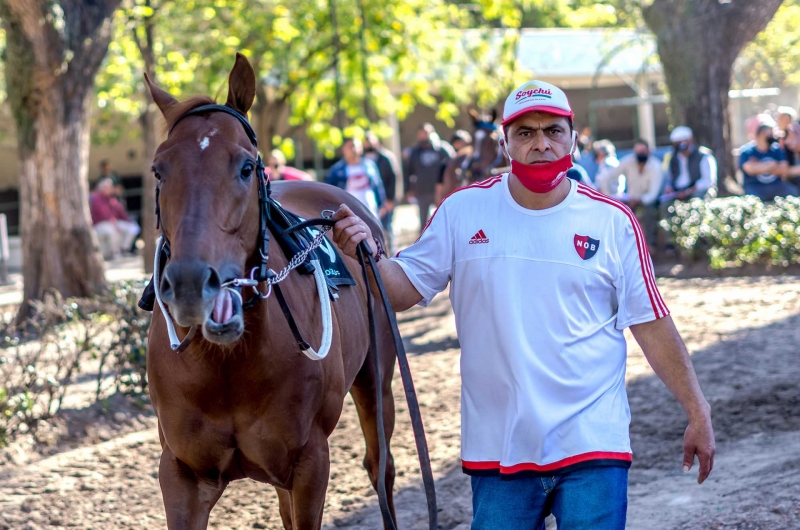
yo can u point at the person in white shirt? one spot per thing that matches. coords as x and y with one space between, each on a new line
545 273
642 182
691 169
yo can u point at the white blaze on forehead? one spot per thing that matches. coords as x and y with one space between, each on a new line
205 141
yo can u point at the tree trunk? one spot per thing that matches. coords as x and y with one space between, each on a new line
52 57
698 42
145 43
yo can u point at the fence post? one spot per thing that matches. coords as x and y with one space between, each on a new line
5 254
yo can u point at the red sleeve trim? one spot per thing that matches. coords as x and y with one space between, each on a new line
659 307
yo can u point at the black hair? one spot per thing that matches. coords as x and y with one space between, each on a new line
641 141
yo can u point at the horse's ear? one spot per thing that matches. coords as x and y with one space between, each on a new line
161 97
494 115
241 85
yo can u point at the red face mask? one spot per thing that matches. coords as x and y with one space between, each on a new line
541 178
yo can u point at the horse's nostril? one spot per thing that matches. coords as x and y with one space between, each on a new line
212 283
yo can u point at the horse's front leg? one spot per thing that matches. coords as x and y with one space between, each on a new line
310 482
187 499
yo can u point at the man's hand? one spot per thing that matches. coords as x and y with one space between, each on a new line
699 440
633 203
668 189
389 205
350 230
665 351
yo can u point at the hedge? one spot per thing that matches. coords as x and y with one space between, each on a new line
736 231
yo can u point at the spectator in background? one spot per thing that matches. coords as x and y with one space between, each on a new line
423 169
765 168
115 230
359 176
791 149
691 170
460 140
605 155
643 179
278 170
107 173
388 169
752 124
786 115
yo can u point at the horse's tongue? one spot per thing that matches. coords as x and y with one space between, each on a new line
223 307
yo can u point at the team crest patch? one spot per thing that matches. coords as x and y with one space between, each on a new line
586 247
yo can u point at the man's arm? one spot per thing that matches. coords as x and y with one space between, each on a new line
665 351
708 174
656 183
348 232
754 167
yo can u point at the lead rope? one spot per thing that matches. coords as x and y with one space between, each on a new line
411 399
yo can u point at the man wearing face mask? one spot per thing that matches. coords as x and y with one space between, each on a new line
643 179
692 169
765 168
545 274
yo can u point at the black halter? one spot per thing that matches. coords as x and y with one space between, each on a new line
262 273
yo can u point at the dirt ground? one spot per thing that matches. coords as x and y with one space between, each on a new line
743 334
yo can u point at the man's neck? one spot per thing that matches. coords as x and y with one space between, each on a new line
762 145
354 161
537 201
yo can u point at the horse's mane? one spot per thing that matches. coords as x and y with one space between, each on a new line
173 113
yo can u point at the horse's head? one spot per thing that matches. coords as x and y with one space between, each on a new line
208 202
486 152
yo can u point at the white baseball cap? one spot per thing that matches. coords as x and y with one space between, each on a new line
536 96
681 133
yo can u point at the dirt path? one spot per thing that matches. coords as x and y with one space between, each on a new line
742 333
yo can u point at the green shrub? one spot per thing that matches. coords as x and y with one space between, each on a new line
735 231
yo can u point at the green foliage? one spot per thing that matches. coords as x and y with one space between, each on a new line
773 59
734 231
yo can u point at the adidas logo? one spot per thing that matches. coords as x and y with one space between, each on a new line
478 238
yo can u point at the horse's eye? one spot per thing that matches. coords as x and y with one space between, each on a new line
156 174
247 171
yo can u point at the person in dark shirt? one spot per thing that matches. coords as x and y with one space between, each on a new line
764 166
423 168
388 168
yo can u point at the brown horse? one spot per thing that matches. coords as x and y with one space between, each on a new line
242 401
479 161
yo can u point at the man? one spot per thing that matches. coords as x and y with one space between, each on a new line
115 230
278 170
691 170
764 166
791 144
388 169
460 140
786 115
643 180
605 157
359 176
423 169
546 274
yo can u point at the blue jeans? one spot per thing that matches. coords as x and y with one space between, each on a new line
592 498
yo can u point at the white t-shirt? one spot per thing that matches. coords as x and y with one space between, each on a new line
359 186
540 298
